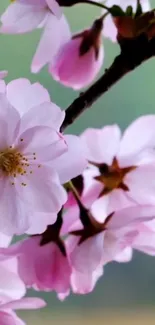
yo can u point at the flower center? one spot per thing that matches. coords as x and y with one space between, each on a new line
113 176
11 162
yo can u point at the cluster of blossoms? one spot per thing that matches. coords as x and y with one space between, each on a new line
81 201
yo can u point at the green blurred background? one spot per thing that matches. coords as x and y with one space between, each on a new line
126 293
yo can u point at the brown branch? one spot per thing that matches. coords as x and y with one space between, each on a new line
133 53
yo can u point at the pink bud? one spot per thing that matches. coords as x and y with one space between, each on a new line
80 59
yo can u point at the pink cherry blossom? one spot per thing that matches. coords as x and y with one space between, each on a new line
46 268
79 60
125 167
8 316
95 244
23 16
35 158
109 29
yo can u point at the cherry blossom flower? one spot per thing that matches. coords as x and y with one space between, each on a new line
109 28
47 267
23 16
79 60
94 244
35 159
121 173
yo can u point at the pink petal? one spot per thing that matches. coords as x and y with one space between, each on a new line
95 141
2 86
11 286
30 95
130 216
5 240
72 162
83 283
19 18
39 222
138 136
100 208
14 212
125 255
55 8
43 192
10 318
57 275
87 256
73 70
25 303
56 33
46 143
141 183
46 114
10 125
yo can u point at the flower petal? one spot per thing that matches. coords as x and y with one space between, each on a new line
25 303
72 162
131 215
43 192
19 18
95 141
46 114
138 136
55 34
30 95
87 256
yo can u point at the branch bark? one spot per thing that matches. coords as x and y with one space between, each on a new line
133 53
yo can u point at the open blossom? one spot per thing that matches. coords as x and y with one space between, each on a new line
46 268
35 159
109 28
94 244
23 16
79 60
121 173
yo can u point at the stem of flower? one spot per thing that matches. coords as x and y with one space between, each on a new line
97 4
75 193
84 217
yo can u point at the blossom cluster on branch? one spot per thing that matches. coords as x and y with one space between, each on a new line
83 201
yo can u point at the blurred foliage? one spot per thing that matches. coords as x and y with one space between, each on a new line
123 285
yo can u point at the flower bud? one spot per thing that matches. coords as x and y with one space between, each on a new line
125 26
130 27
80 59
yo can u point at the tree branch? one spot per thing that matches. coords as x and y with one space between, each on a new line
133 53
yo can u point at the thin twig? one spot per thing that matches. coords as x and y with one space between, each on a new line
133 53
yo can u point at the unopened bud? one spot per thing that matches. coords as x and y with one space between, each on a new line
80 59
